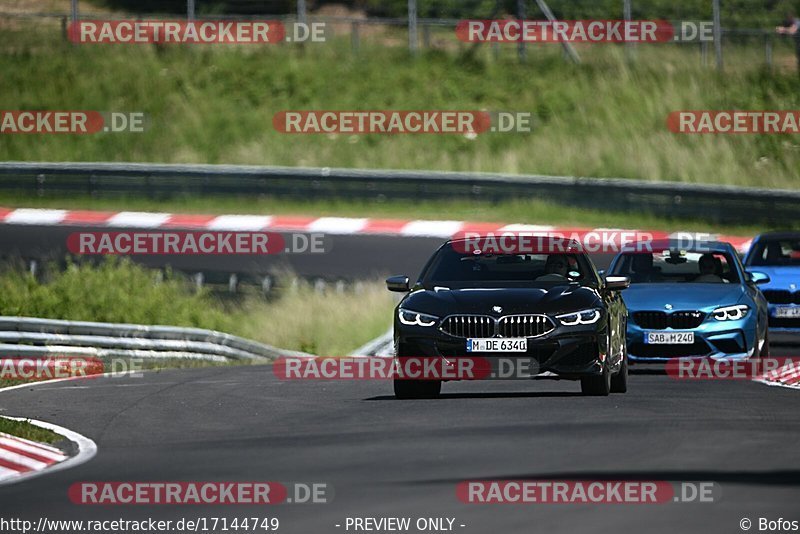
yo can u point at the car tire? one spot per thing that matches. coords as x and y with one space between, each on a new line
764 352
417 389
619 382
597 385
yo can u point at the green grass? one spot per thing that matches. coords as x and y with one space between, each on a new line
298 318
529 211
605 117
26 430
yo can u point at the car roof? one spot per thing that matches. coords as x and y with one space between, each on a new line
679 244
778 234
561 244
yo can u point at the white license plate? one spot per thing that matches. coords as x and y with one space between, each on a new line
490 344
787 311
669 338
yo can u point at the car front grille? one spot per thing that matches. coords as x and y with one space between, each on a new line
530 325
469 326
679 320
780 296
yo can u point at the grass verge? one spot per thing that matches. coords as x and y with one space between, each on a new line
605 117
26 430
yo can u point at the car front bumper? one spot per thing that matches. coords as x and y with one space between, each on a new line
562 353
713 339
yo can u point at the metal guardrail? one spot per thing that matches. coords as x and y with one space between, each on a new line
716 203
34 337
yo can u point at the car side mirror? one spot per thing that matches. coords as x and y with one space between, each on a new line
617 283
398 283
758 277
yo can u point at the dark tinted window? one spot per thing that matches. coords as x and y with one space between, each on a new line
453 266
776 252
676 266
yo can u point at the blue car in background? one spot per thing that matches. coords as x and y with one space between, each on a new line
778 255
691 301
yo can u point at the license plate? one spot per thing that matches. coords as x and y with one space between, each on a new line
490 344
669 338
787 311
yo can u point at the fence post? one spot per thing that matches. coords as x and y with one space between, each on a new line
412 27
768 49
73 16
717 34
626 13
354 37
301 11
521 16
189 9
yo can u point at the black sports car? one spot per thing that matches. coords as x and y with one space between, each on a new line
546 308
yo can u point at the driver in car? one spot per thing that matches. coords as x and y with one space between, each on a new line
708 267
556 268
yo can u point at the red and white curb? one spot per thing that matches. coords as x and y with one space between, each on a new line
21 456
328 225
22 459
788 377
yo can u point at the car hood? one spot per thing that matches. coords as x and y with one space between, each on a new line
780 276
556 299
686 296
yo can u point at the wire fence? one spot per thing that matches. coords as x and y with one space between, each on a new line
746 26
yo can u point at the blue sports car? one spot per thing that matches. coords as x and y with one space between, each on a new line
689 302
778 255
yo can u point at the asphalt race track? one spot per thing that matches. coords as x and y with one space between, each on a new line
393 458
347 256
388 458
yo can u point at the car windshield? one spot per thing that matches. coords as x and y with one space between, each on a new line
453 267
776 252
676 266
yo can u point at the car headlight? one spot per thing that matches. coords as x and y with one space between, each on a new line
580 317
412 318
731 313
